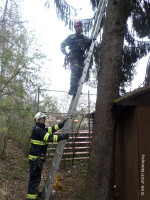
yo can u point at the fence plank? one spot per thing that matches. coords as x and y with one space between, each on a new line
77 145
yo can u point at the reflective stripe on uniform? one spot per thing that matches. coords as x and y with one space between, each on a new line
46 137
55 138
64 42
31 157
56 127
74 77
38 142
32 196
79 66
73 36
50 130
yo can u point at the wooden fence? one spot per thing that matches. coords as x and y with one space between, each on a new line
77 146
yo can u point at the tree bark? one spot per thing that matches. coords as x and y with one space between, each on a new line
100 180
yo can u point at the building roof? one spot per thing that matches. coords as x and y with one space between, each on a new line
138 97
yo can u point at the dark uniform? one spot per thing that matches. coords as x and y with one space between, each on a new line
39 142
77 43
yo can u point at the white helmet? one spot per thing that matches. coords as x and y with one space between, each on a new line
38 116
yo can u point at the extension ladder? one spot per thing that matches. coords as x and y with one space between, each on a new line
71 112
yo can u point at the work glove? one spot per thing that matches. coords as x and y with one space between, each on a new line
64 122
67 54
61 124
65 136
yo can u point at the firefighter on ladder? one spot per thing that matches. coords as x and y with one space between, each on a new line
78 43
39 141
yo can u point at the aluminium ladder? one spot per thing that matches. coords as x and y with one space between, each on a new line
71 112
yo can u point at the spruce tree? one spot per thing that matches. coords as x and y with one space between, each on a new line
120 49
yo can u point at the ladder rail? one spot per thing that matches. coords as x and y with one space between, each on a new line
55 163
72 108
96 16
99 18
90 52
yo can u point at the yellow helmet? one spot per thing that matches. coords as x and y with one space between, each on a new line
38 116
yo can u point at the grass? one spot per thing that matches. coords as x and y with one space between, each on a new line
1 195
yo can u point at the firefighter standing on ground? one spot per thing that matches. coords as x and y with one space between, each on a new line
39 141
77 43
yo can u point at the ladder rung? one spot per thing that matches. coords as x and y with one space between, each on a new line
57 152
50 177
53 164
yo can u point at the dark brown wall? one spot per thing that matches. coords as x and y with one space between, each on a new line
132 149
144 151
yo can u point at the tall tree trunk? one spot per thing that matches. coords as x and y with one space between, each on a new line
101 170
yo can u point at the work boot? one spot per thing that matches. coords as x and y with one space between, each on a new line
72 92
40 194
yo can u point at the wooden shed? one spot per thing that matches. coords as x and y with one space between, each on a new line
132 176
